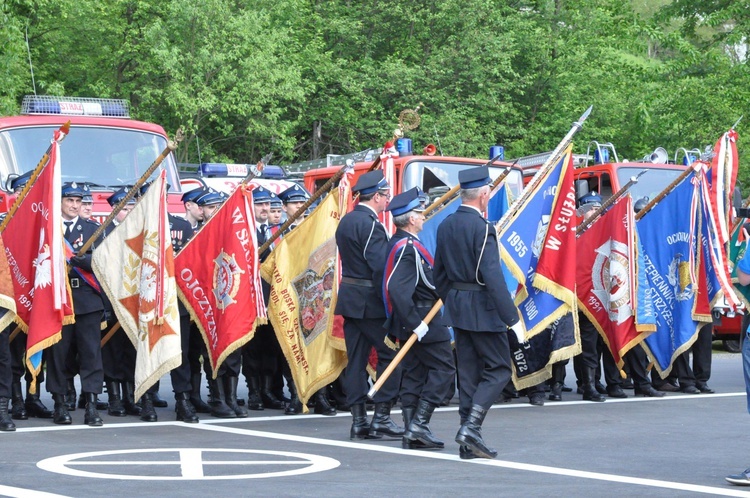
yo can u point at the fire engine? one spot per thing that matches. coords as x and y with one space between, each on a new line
105 147
434 174
601 170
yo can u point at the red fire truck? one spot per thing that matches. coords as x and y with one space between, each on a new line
105 148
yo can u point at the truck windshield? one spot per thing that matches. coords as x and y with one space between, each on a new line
437 177
651 183
102 156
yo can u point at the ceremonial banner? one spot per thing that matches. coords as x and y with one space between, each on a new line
533 360
722 179
538 245
303 272
389 173
607 279
218 278
7 300
737 248
428 235
34 248
135 267
669 234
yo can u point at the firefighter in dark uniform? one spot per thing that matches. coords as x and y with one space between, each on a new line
197 349
260 356
471 283
118 353
363 244
33 406
84 334
6 377
410 295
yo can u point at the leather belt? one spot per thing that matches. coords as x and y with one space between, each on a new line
424 304
75 283
359 282
466 286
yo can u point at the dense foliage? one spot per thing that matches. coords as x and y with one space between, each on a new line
303 78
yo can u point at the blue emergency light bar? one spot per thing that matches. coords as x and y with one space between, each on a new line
239 170
75 106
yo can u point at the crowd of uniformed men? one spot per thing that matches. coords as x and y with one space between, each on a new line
388 287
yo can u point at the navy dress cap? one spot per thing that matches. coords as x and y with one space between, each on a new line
591 198
370 183
144 188
474 177
71 189
87 197
210 197
21 181
405 202
295 193
275 201
192 195
261 195
118 196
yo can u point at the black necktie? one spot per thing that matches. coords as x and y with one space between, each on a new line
68 227
262 234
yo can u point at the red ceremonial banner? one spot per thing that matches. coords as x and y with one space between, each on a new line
218 278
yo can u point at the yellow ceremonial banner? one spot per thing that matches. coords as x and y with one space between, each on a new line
302 271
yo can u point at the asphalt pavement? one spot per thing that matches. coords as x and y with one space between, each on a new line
679 445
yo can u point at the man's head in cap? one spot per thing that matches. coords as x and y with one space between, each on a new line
19 182
293 198
276 210
72 194
87 203
261 204
210 202
475 187
373 190
588 204
407 209
193 212
118 197
640 204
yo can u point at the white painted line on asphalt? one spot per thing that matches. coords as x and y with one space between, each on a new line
558 471
109 424
26 493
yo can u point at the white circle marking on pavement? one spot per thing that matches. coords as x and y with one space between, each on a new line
189 463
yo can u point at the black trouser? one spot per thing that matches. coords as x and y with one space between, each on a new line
261 355
6 374
361 335
484 368
83 336
609 367
637 361
589 357
181 373
197 350
702 350
118 356
428 371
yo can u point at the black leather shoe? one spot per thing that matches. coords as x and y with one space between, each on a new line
566 389
91 417
6 424
18 407
555 393
148 413
360 427
628 384
616 392
600 387
465 453
382 424
470 434
705 389
70 397
691 390
322 406
35 407
418 430
648 392
158 401
61 415
184 410
536 399
668 387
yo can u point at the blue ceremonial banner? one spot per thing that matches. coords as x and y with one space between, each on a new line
499 203
521 242
645 313
668 238
428 235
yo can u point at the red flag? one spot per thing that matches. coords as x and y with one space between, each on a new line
606 275
34 246
218 278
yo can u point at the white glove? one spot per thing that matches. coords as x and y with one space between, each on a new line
421 330
517 329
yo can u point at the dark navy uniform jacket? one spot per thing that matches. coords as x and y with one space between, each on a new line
412 293
363 245
181 232
85 298
467 253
